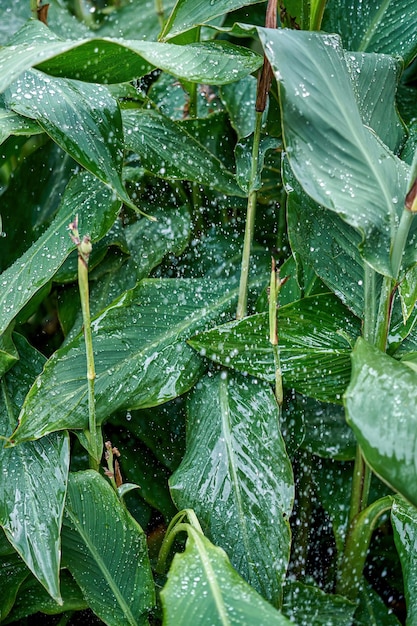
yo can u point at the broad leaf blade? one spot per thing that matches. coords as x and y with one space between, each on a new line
84 119
96 208
404 524
34 477
380 403
317 329
105 550
169 151
306 605
351 173
237 477
204 589
141 357
386 26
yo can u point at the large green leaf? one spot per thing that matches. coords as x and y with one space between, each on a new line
204 589
380 404
306 605
141 358
169 151
379 26
189 13
351 172
105 550
404 524
97 209
13 572
33 479
237 477
316 335
120 60
82 118
13 124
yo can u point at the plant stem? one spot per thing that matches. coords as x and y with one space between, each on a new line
159 8
250 222
94 433
316 13
356 548
360 485
34 8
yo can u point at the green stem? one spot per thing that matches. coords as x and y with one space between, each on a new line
176 525
360 486
250 222
356 548
34 8
159 8
316 13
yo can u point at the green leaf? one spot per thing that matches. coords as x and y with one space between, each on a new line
83 119
189 13
380 404
13 572
372 610
240 98
351 173
386 26
105 550
204 589
34 477
97 209
169 151
404 524
141 358
237 477
306 605
8 352
315 339
120 60
13 124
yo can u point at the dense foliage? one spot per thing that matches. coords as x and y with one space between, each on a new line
189 436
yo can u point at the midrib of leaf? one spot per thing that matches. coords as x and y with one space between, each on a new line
354 132
369 33
227 431
211 577
103 568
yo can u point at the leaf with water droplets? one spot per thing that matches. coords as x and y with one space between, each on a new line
404 525
237 476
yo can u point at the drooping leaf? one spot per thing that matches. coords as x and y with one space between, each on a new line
120 60
386 26
189 13
141 356
84 119
306 605
404 524
204 589
380 403
237 477
169 151
13 124
33 479
105 550
352 172
97 209
316 335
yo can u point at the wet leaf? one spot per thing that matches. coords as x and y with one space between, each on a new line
315 338
380 404
8 352
97 209
404 524
105 550
240 98
169 151
14 124
190 13
141 358
237 477
306 605
34 477
84 119
372 610
13 572
351 173
204 589
386 26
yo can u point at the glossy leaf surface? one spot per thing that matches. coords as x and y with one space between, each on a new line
105 550
33 479
204 589
380 405
404 524
169 151
141 357
237 477
96 208
13 572
316 335
351 173
306 605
